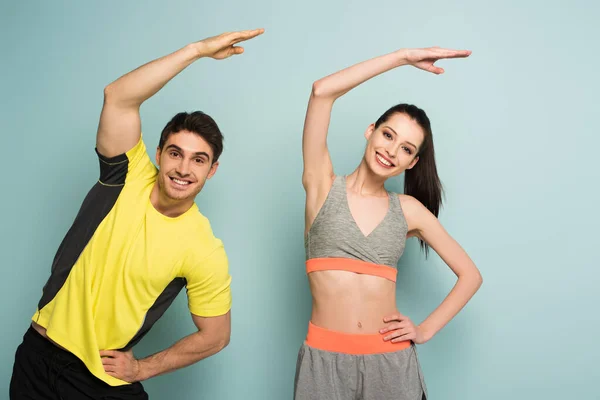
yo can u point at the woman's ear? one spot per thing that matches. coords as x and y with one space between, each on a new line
369 131
413 163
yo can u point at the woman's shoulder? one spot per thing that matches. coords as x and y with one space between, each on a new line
411 206
408 200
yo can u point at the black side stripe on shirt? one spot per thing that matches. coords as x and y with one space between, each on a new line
161 304
96 206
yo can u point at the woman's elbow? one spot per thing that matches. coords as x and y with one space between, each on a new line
472 277
478 279
317 89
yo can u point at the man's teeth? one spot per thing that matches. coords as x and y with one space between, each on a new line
180 182
383 161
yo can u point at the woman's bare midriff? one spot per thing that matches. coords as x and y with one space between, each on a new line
42 331
349 302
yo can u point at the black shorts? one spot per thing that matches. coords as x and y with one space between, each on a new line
44 371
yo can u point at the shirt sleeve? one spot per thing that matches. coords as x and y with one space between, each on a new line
135 164
208 284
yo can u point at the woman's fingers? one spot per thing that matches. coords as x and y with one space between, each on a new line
435 69
432 54
400 335
457 53
395 317
439 53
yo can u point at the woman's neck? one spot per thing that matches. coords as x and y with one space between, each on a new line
365 183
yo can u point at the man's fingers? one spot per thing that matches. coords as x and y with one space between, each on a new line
108 353
109 367
108 361
247 35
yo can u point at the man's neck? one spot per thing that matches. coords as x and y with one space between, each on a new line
169 207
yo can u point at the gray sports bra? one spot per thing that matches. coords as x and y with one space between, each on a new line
335 242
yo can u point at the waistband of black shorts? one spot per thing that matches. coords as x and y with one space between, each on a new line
34 340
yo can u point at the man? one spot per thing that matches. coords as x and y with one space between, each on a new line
137 241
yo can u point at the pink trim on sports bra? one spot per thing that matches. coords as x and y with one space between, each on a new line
351 265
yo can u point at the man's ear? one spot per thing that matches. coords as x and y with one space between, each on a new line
158 153
213 170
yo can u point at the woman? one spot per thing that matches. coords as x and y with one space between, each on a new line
358 345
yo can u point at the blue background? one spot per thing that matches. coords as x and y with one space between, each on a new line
516 139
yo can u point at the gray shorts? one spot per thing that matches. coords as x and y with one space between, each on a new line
328 375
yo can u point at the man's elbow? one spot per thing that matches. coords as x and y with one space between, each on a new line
113 95
109 93
223 342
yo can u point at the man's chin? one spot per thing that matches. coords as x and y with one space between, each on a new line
178 196
175 195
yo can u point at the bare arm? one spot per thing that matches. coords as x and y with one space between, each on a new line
120 127
212 336
318 170
424 225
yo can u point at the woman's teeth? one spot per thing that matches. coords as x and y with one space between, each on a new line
383 161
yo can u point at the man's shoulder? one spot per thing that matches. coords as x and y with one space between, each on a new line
198 222
199 231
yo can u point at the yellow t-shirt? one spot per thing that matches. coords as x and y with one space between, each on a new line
122 263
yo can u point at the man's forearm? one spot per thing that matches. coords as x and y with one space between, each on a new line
187 351
132 89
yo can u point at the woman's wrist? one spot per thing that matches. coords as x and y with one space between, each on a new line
425 334
401 57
